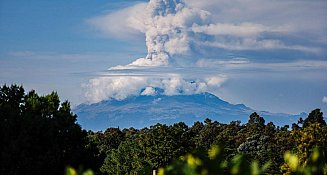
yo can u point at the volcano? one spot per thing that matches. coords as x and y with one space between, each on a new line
145 110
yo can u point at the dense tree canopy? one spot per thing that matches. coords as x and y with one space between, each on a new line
157 146
39 135
315 116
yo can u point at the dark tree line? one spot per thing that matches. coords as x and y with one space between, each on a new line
39 135
132 151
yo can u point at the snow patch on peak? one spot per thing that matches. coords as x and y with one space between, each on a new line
150 91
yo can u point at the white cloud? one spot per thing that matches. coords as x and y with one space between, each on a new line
297 14
174 27
120 87
246 44
324 99
243 63
238 30
119 23
221 63
102 88
143 62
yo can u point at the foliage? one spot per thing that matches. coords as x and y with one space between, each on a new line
71 171
38 133
126 159
314 165
256 148
211 163
315 116
255 142
148 150
309 137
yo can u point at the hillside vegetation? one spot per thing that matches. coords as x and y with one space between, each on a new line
39 135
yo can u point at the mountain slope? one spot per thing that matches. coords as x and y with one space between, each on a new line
142 111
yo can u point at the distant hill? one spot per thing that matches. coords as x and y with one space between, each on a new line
143 111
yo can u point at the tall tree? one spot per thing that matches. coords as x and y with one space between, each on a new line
38 133
315 116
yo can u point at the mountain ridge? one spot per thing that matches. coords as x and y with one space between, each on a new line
145 110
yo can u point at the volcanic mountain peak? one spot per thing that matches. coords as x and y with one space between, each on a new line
145 110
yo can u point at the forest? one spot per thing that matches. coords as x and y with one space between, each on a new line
40 135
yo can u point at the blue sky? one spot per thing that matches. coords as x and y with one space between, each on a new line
270 58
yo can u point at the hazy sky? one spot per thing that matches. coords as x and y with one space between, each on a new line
269 55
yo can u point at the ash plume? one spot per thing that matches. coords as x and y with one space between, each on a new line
176 31
167 27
